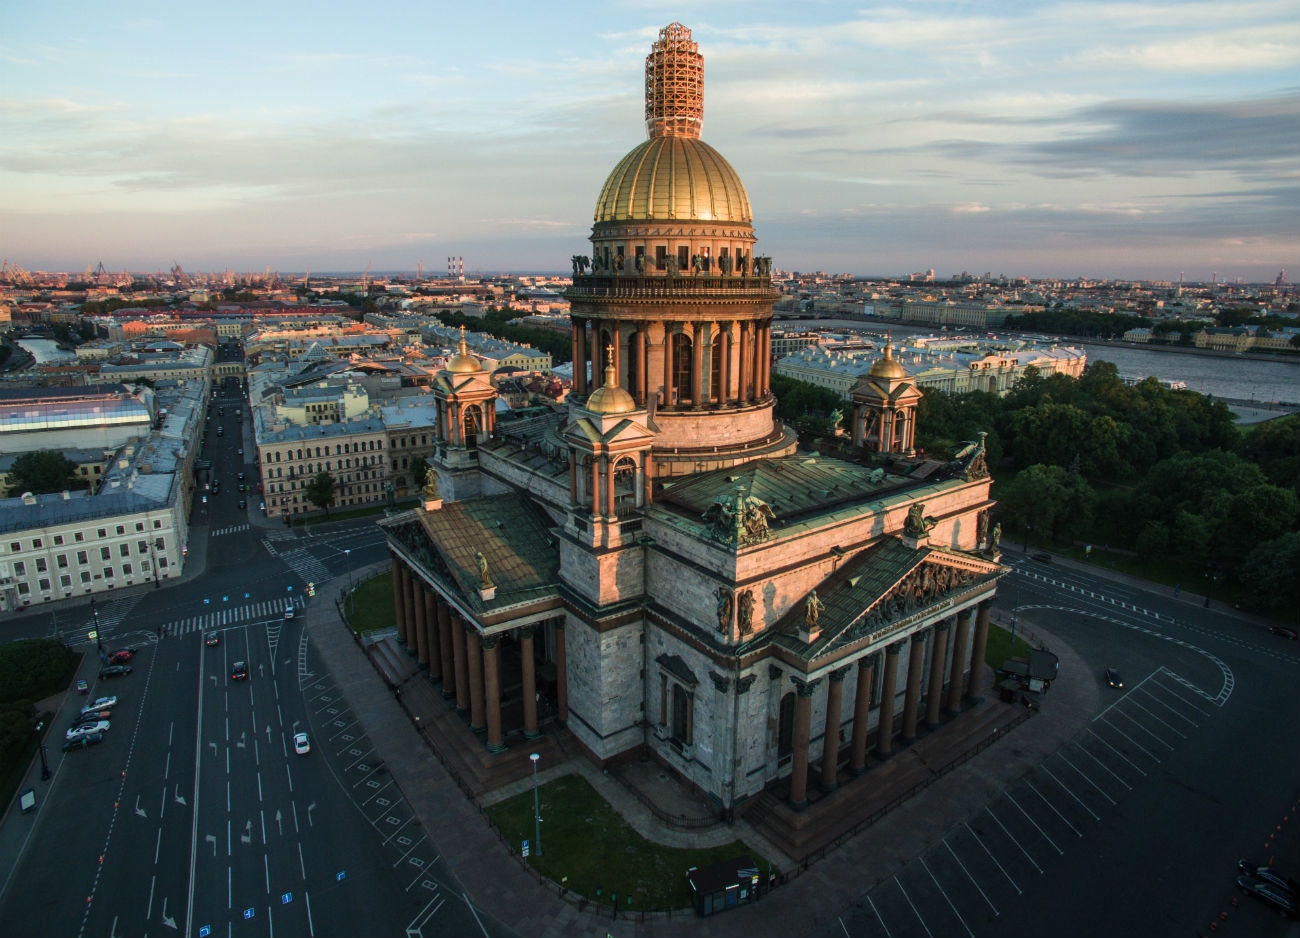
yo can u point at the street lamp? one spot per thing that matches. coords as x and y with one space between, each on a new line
95 612
153 556
40 744
537 814
347 561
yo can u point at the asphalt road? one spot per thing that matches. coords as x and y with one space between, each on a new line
195 812
1135 826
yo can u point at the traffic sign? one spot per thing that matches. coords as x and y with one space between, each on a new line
286 898
524 851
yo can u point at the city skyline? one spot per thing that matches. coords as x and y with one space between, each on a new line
1102 140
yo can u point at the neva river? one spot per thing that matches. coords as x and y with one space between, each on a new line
46 350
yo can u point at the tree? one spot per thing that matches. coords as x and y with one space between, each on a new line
41 472
320 491
1268 575
419 469
1037 496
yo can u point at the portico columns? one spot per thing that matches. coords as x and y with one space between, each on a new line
399 610
977 653
958 661
462 665
831 736
888 700
861 713
431 635
579 385
445 650
596 357
405 632
561 674
669 396
492 691
742 373
697 366
934 691
474 664
420 638
530 682
802 733
912 695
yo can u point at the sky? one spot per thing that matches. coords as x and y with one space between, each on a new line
1086 139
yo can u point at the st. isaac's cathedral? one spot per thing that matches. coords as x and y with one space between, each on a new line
663 570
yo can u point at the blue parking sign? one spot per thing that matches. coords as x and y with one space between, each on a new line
286 898
248 913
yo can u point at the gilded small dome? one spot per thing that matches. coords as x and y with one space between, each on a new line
674 177
463 362
887 367
610 398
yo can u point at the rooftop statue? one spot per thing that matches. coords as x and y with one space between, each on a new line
917 524
740 520
485 578
430 489
812 610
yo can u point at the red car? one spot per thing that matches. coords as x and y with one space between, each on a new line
120 657
1284 630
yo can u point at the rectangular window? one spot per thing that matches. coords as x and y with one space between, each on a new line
141 547
58 540
139 525
45 585
162 562
157 524
65 581
15 548
82 558
23 589
20 568
105 554
126 569
85 576
79 537
108 573
40 564
124 550
121 529
103 532
63 561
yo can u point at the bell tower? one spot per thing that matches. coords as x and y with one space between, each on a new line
466 403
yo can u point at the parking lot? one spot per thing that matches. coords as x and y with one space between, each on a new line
962 884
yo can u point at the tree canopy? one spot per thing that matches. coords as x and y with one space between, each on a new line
320 491
42 472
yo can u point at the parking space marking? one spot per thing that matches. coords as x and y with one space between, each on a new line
1158 720
972 879
1066 789
1012 799
1172 710
1077 833
1135 743
1089 780
989 809
946 899
1137 767
1153 735
1013 883
878 918
1196 690
914 911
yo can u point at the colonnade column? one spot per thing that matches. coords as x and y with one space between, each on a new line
461 664
406 633
888 700
609 486
668 366
912 694
958 661
445 650
831 736
765 358
420 640
697 366
802 733
934 691
399 610
861 713
474 665
576 358
639 356
492 691
977 653
573 478
530 682
431 633
596 357
595 487
561 675
742 373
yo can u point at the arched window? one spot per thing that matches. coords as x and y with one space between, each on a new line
681 723
473 420
624 486
785 728
682 375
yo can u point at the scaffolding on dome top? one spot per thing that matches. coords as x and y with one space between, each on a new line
674 85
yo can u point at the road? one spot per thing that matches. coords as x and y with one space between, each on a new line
1137 823
195 816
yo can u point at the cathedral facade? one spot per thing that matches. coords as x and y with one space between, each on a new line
662 569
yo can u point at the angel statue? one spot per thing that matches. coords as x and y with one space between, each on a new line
812 610
430 489
485 578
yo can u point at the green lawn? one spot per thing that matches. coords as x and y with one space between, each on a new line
319 517
1000 648
587 841
371 606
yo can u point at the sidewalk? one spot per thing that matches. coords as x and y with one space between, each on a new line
499 885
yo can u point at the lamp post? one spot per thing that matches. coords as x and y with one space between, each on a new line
95 612
347 560
40 744
153 555
537 814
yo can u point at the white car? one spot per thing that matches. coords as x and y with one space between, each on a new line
102 703
301 744
288 611
86 729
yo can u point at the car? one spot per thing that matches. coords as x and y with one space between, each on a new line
115 670
1283 630
212 638
240 477
239 672
261 506
1283 900
83 741
301 744
100 703
240 451
243 503
259 486
85 729
243 487
221 431
92 716
1269 875
1113 678
1041 556
288 611
120 657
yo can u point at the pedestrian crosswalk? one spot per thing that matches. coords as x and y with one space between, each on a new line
270 609
114 611
233 529
304 563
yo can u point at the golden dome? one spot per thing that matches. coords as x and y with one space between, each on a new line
610 398
673 177
463 362
887 367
